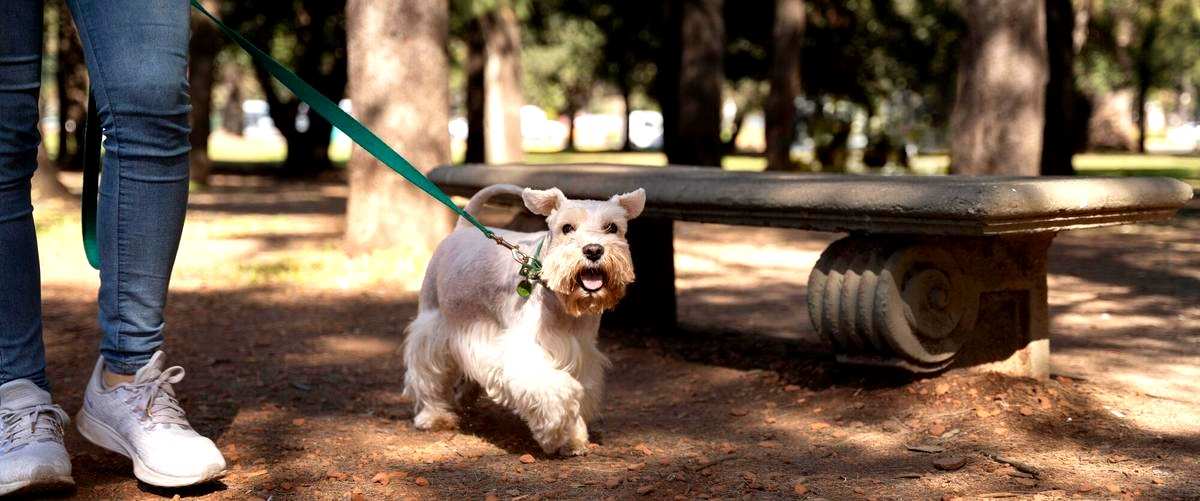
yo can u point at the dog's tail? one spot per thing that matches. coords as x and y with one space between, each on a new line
482 196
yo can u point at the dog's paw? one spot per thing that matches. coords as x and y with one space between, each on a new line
435 420
572 450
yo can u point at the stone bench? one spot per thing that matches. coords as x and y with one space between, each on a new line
935 271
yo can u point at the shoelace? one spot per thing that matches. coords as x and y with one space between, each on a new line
24 425
159 400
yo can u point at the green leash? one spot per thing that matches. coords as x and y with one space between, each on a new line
327 109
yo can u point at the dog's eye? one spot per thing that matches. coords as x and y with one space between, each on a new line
610 228
566 228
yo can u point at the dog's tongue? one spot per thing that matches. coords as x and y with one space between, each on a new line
592 280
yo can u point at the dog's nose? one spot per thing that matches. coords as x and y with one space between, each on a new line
593 251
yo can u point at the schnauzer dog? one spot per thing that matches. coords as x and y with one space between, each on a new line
535 355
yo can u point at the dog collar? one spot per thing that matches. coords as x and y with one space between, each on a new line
531 271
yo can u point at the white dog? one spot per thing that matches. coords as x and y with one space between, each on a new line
535 355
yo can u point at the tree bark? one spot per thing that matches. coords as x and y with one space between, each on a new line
788 38
1145 73
71 79
205 44
1058 136
666 78
502 86
476 60
999 110
400 88
701 75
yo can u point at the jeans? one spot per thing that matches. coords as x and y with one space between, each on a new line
136 52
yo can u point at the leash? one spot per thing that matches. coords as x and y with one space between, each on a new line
531 266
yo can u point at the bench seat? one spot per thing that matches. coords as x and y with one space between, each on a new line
936 272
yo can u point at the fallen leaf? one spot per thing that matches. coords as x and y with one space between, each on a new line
256 473
491 496
642 448
1025 410
738 412
357 496
382 478
612 482
337 475
950 463
527 459
941 388
791 388
421 482
1113 488
298 422
645 489
931 449
768 444
635 466
800 489
818 426
1085 488
937 430
1027 482
287 486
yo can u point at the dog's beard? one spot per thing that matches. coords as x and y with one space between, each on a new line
589 287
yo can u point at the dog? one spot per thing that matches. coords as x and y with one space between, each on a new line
535 355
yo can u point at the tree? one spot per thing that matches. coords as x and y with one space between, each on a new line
1059 141
562 59
997 122
1136 47
788 40
400 89
71 82
202 69
493 67
311 38
502 85
697 111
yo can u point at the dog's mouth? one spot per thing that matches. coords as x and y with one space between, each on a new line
591 279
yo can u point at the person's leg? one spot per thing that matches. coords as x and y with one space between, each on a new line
22 355
136 53
32 455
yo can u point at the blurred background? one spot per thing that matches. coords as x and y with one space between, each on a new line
888 86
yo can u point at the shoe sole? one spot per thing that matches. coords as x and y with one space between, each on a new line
38 485
96 432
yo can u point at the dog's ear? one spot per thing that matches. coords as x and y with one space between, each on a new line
633 202
543 202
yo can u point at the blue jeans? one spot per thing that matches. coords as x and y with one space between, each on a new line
136 52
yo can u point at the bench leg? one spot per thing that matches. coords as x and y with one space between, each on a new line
926 304
650 300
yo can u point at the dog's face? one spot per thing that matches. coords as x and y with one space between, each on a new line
586 260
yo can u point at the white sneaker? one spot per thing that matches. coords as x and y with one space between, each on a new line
32 455
143 421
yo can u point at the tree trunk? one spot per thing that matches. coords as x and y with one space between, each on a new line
502 86
626 144
666 78
206 42
1145 73
1058 141
400 86
476 60
788 38
233 119
701 74
72 82
999 110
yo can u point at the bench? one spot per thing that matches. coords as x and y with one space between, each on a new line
936 272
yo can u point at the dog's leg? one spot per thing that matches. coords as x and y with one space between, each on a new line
523 379
431 373
591 376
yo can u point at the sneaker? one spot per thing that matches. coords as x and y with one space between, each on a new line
142 420
32 455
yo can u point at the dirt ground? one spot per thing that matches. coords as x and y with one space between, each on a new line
293 368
